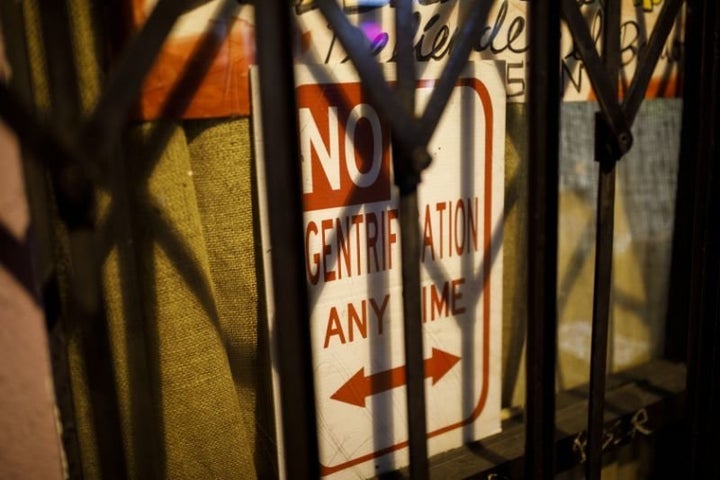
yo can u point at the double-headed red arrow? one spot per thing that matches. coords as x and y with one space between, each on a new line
359 387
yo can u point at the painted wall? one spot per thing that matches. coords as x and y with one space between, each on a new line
29 439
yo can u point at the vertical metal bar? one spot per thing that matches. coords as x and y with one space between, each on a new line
279 116
704 315
544 92
405 60
601 305
410 253
607 159
677 325
410 249
76 205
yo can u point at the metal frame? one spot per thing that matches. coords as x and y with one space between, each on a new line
74 150
701 184
543 164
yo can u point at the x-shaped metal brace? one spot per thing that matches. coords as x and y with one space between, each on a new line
619 117
410 133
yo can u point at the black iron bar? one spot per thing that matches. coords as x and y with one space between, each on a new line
601 303
405 60
85 319
605 85
292 326
542 238
410 254
677 318
407 178
607 158
703 389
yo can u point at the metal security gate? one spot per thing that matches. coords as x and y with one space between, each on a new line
73 158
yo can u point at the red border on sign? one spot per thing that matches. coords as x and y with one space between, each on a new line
484 95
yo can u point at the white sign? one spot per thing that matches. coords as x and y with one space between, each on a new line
352 247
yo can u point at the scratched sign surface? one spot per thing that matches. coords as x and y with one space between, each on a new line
352 260
503 36
224 40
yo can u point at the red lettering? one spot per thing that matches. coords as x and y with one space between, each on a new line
345 148
371 235
334 328
438 302
313 276
380 311
460 237
392 237
457 296
356 221
326 225
427 235
473 222
343 247
357 320
440 207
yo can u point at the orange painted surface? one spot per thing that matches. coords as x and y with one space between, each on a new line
224 90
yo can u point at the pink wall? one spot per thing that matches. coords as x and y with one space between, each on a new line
29 440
